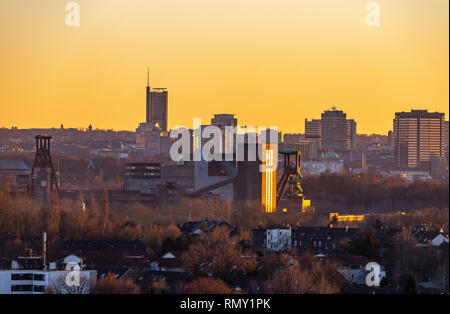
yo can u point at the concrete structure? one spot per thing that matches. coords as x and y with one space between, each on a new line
205 175
418 136
142 177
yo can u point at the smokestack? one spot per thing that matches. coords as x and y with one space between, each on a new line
44 249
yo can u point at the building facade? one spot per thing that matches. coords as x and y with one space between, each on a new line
418 136
151 140
333 131
156 102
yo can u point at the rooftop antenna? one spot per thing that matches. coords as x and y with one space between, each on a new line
148 77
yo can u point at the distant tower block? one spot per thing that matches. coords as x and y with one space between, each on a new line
43 178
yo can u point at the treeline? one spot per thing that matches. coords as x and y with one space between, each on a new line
373 192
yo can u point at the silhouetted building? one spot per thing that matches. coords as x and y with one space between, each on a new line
333 131
313 132
156 103
223 121
150 140
338 133
390 139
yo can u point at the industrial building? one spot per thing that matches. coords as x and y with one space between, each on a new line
14 174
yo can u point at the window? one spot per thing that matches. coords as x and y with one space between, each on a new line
22 288
21 276
38 288
39 277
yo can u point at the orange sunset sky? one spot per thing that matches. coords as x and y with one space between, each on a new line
270 62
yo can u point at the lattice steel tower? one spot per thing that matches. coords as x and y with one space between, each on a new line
43 177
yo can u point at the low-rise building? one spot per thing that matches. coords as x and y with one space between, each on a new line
322 239
430 237
411 175
353 268
272 239
29 275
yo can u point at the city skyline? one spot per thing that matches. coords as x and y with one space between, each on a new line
235 57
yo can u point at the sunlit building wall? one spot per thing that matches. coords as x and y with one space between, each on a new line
418 136
269 178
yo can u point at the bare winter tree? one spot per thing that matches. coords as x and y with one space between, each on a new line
59 286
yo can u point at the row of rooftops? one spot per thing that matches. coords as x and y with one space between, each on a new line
205 225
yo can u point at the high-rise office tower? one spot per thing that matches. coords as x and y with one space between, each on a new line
446 144
156 102
313 132
338 133
334 131
418 136
351 134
